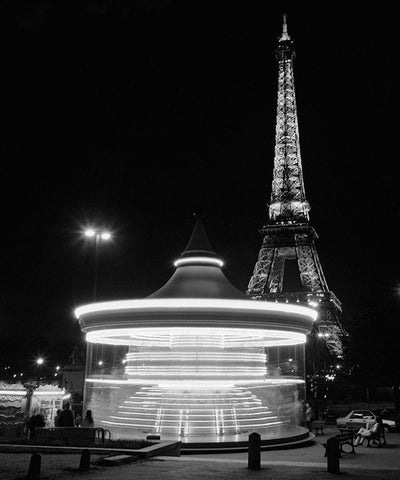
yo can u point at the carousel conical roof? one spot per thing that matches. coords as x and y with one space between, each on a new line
198 244
198 295
198 272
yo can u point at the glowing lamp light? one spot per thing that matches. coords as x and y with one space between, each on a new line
90 233
40 361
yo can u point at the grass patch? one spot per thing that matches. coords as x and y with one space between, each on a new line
132 444
122 443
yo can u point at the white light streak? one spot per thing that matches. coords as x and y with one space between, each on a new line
35 393
198 383
12 392
206 337
195 304
201 260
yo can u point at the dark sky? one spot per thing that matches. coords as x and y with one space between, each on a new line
132 115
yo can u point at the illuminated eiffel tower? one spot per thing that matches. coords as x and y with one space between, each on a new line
289 239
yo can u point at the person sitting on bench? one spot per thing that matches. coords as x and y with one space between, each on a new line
371 428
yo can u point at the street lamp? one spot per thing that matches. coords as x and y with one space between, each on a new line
39 363
98 236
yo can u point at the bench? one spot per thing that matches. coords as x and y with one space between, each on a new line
343 439
353 431
353 427
377 438
318 426
89 436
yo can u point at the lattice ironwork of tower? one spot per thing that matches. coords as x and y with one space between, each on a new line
289 239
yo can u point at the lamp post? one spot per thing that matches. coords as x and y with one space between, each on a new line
39 363
317 338
98 237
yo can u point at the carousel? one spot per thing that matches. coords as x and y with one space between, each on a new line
197 361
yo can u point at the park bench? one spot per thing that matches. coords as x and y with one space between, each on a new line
318 426
353 431
377 438
88 436
343 439
353 427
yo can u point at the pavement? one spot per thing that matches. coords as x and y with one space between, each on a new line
295 463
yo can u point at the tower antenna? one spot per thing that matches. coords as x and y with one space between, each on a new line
285 36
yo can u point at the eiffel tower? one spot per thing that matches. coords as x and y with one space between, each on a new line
289 239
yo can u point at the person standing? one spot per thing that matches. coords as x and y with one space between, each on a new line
308 415
87 420
57 418
36 421
67 417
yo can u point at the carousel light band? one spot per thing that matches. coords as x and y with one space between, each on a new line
195 304
23 392
198 383
199 260
12 392
160 372
163 337
189 356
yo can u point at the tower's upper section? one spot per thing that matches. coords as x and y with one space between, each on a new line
288 199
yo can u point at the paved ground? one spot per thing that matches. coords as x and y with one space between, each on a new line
368 457
301 463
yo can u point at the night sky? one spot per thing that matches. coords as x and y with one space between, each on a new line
132 115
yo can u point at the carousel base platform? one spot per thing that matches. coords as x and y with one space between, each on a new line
289 437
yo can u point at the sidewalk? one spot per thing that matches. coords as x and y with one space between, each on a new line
314 454
297 464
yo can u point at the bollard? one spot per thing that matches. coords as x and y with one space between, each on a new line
34 467
84 464
254 451
333 455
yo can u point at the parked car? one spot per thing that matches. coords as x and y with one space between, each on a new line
364 416
330 414
390 414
